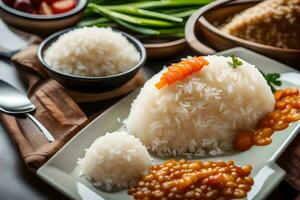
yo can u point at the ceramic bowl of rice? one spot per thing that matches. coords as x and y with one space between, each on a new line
201 114
91 59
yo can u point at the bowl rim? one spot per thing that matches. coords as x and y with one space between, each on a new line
138 45
202 20
165 44
81 4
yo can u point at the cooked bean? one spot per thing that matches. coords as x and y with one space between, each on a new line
202 181
243 141
287 110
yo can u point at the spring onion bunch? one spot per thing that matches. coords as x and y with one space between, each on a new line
151 18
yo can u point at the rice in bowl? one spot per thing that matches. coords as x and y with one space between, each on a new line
202 113
92 51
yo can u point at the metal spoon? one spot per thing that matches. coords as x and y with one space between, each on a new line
7 54
13 102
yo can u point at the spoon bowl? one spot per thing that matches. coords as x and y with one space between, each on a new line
13 102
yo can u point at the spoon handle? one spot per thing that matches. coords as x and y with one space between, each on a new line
41 127
7 55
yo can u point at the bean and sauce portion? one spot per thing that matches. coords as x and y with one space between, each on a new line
287 110
193 180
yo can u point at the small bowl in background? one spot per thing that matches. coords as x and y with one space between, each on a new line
164 49
205 38
41 24
91 84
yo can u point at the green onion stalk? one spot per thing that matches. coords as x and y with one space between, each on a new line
160 18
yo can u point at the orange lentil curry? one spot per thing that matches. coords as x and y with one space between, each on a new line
193 180
287 110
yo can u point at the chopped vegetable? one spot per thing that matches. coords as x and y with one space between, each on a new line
45 9
147 13
235 62
272 80
37 3
142 30
185 13
23 5
63 6
130 19
163 18
9 2
181 70
163 4
49 2
42 7
95 22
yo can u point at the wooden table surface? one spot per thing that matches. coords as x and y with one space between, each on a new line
17 183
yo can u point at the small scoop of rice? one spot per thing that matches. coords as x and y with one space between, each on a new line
115 160
92 51
202 113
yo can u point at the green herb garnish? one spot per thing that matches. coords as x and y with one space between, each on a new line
235 62
272 80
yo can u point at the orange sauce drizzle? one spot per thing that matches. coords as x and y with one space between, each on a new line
179 71
287 110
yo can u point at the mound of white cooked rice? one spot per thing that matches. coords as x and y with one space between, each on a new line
115 160
201 114
92 51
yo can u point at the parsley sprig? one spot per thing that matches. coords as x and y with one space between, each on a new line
272 80
235 62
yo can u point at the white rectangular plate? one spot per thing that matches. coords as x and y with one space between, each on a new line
61 172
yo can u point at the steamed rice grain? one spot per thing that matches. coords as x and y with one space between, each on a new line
115 160
92 51
202 113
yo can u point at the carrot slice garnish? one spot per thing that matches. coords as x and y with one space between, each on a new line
188 67
169 77
180 74
194 65
160 84
182 68
179 71
201 60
